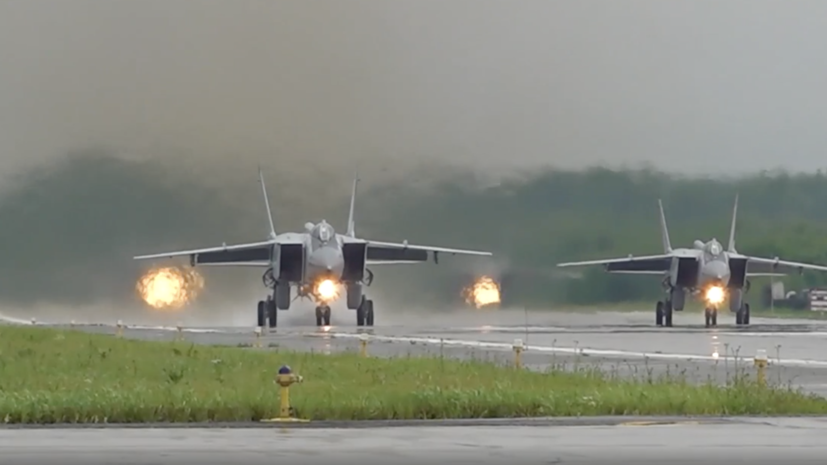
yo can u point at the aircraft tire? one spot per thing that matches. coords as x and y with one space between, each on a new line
659 314
360 315
745 318
707 317
319 317
714 317
272 315
667 314
326 315
368 312
262 314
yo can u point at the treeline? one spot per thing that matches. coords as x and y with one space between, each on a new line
69 232
537 221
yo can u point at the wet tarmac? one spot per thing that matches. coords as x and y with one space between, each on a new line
624 344
593 441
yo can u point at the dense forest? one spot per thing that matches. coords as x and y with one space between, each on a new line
69 230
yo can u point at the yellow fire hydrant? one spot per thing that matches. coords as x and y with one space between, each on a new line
518 353
761 363
363 345
285 378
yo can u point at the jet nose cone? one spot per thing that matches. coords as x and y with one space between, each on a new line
718 271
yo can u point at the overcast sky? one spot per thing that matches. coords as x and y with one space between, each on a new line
691 86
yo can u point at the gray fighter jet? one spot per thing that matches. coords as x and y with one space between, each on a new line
318 262
706 270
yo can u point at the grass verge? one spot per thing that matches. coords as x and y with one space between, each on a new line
58 376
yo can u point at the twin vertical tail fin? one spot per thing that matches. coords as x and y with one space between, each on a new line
351 223
731 245
664 231
267 204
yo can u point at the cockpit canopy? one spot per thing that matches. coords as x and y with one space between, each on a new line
714 248
323 232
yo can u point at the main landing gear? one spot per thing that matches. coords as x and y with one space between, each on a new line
267 313
364 314
742 315
663 313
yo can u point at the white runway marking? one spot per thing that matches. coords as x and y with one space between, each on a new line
566 350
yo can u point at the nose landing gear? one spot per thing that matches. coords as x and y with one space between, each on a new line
323 315
663 313
710 317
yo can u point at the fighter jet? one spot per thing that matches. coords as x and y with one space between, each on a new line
706 271
318 262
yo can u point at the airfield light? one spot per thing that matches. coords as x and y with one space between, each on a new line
715 295
169 287
484 291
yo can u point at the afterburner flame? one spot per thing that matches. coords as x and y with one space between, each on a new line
485 291
326 290
714 295
169 287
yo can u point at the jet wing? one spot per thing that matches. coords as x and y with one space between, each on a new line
225 254
387 253
265 264
645 264
759 266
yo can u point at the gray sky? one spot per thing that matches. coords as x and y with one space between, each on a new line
689 86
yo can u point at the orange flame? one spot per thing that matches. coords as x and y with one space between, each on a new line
485 291
169 288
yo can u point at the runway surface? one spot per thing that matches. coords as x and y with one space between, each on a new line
789 440
626 344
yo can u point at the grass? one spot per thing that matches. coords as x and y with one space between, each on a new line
59 376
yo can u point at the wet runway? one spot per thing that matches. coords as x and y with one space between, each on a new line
626 344
790 440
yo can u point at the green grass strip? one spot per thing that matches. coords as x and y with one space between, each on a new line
59 376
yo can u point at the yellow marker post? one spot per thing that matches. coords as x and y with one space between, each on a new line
363 345
257 333
518 353
284 378
119 329
761 363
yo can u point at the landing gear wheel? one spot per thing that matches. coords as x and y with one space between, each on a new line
364 314
360 315
369 312
710 317
319 316
272 316
262 313
742 315
667 314
659 313
326 315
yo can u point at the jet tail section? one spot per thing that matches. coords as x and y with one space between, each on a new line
731 244
351 223
664 231
267 204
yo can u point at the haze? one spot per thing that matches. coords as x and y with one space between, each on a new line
696 87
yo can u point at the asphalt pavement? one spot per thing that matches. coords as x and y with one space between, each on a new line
627 344
678 441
